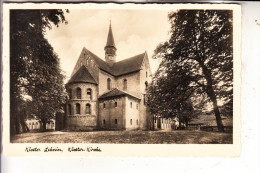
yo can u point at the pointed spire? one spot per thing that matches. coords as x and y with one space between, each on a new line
110 48
110 38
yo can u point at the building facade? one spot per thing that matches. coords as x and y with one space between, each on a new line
108 94
35 124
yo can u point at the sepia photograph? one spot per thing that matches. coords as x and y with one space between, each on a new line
121 76
132 86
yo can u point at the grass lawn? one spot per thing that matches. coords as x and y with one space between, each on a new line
135 137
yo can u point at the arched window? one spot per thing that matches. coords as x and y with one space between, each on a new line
115 121
115 104
137 106
108 83
144 99
89 94
77 108
131 121
70 93
104 105
104 121
88 108
146 85
131 104
78 93
125 85
69 106
136 122
146 74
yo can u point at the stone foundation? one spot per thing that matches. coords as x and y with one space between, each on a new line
79 122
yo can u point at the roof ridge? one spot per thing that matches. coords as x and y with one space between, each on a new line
77 77
130 57
94 54
128 65
104 95
108 91
127 93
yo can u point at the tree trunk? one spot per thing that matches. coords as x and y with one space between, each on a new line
211 93
17 116
179 122
217 114
43 126
187 123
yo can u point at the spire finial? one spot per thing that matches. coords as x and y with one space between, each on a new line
110 38
110 48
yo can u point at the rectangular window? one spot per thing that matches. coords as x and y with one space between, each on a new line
131 121
104 121
136 122
115 121
144 100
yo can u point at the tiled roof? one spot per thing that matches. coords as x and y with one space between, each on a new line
101 63
114 93
128 65
82 75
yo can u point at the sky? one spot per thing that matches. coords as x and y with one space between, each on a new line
135 31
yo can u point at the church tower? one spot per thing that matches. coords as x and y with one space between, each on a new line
110 48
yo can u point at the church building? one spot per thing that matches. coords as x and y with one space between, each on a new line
108 94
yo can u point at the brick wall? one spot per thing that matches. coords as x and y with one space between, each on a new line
89 62
79 122
133 83
114 116
145 76
132 113
102 87
84 120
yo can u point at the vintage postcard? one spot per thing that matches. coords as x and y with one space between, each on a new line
136 80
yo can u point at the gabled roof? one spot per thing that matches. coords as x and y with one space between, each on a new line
119 68
101 63
128 65
82 75
115 93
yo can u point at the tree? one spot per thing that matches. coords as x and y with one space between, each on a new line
170 96
200 51
34 67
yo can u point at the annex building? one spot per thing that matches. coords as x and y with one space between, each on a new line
108 94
